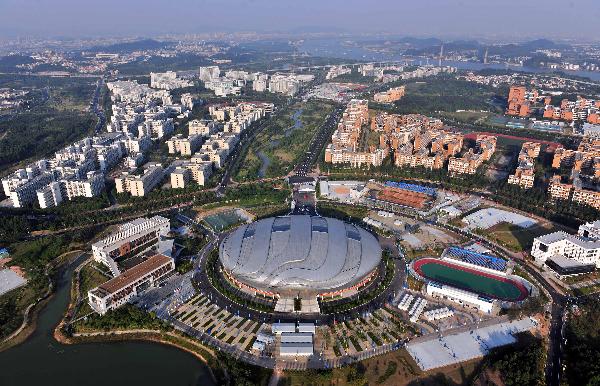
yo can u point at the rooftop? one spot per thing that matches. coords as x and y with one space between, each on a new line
561 235
305 252
132 275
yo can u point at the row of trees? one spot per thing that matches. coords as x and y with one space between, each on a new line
582 348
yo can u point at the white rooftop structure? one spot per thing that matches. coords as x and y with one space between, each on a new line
279 328
451 349
583 247
10 280
591 130
306 328
299 252
296 343
296 337
488 217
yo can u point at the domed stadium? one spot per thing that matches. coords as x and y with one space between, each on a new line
299 253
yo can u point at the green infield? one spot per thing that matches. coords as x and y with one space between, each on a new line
470 280
223 220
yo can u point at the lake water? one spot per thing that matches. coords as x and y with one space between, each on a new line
41 360
333 48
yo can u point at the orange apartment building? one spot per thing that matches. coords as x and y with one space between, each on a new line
562 191
344 146
582 109
584 162
392 95
524 175
485 146
587 197
521 101
559 190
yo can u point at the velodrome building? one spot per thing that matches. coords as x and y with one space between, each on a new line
288 255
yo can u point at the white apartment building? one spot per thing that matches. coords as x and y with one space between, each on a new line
590 230
583 248
137 145
168 80
208 73
184 146
216 157
156 128
188 101
109 156
119 290
202 127
22 176
180 177
140 185
260 85
25 194
198 171
50 195
131 239
67 189
284 84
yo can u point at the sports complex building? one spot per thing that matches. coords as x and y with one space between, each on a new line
471 278
299 254
396 195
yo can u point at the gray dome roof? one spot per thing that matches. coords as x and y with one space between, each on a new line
299 252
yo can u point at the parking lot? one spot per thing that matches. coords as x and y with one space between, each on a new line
203 315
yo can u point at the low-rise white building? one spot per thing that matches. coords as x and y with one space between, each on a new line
131 239
119 290
460 296
583 248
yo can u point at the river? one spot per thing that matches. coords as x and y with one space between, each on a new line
264 158
41 360
331 47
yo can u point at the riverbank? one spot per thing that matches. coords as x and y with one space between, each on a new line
169 338
32 311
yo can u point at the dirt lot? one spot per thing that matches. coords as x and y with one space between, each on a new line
378 371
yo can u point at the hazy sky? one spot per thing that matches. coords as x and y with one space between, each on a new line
443 18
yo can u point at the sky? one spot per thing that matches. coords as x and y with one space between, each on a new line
577 19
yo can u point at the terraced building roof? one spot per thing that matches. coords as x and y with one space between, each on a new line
299 252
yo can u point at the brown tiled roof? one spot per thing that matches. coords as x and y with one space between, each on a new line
133 274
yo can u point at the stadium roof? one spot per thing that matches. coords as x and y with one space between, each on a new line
412 187
300 252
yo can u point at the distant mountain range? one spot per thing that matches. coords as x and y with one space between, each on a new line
431 46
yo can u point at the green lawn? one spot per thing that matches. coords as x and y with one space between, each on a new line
283 141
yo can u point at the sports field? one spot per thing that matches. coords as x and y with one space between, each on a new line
470 279
223 220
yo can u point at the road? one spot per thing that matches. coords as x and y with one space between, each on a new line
95 108
309 158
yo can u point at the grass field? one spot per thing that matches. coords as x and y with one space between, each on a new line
283 141
470 281
516 238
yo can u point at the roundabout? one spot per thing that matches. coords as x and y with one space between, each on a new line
322 268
